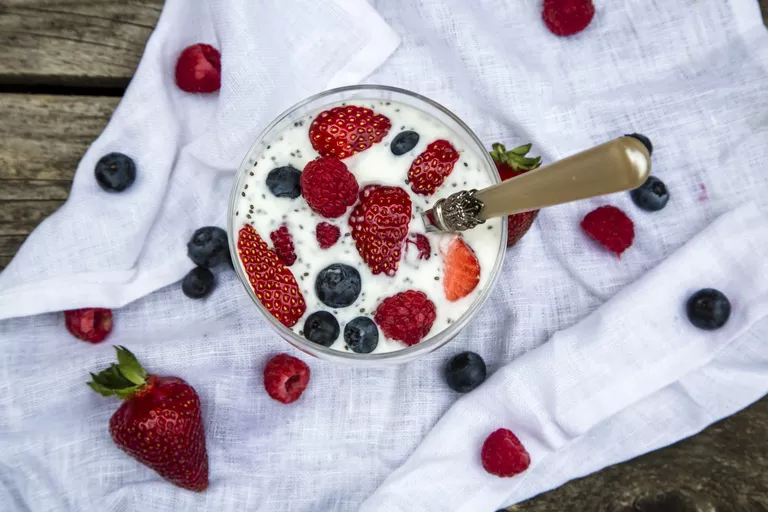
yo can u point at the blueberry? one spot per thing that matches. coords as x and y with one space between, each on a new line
115 172
208 247
197 283
645 140
708 309
465 372
404 142
322 328
361 335
652 195
285 182
338 285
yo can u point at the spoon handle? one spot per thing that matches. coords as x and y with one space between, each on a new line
618 165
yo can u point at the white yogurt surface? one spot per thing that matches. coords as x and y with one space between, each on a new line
266 213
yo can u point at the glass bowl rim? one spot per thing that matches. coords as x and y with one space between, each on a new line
397 356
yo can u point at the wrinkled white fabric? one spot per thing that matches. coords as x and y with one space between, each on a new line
691 76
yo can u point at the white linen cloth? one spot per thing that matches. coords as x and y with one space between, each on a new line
690 76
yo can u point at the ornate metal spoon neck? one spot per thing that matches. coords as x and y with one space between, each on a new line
457 212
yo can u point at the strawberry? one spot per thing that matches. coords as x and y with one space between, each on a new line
567 17
327 235
429 170
610 227
274 284
510 164
343 131
407 316
328 187
282 241
379 224
461 270
89 324
504 455
159 423
285 378
198 69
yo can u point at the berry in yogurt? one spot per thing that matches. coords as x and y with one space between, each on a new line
347 185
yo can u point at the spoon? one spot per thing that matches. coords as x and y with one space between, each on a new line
615 166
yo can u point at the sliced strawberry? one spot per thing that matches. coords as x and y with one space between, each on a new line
343 131
461 270
379 224
274 284
430 168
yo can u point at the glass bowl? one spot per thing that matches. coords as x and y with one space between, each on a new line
316 103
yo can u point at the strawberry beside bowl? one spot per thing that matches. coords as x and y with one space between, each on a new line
325 228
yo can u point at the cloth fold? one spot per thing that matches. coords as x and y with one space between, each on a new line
608 388
630 375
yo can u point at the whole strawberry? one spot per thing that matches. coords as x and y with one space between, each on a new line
430 169
273 283
567 17
343 131
379 224
159 423
328 187
510 164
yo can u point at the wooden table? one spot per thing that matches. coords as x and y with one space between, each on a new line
63 67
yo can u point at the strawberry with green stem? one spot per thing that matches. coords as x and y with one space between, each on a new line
159 423
510 164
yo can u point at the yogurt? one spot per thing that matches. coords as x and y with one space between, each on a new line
258 207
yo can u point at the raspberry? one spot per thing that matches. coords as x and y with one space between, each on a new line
504 455
407 316
328 187
327 234
285 378
422 245
89 324
610 227
283 244
198 69
567 17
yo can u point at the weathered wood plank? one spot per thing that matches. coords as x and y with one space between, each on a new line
74 42
27 212
44 137
16 190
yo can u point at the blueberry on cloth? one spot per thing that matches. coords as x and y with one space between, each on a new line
651 196
465 371
115 172
197 283
708 309
208 247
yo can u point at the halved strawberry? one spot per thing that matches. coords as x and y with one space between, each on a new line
461 270
379 224
273 283
343 131
430 168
